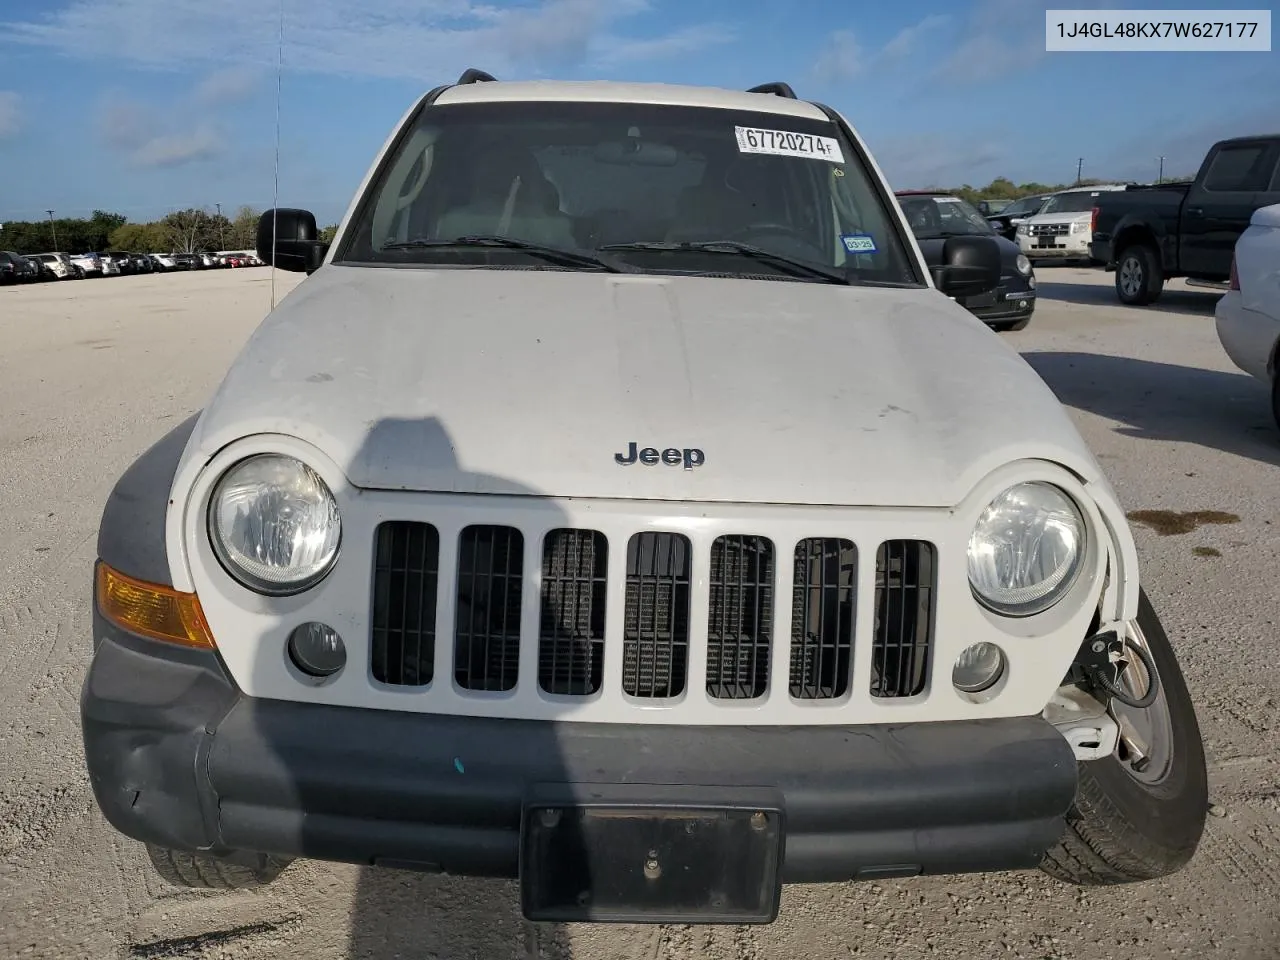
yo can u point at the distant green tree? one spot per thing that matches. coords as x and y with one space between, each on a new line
328 233
243 233
138 238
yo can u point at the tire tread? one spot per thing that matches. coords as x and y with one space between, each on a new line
182 869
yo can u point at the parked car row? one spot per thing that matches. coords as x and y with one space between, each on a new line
37 267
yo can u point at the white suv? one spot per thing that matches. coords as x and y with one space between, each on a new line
1064 226
623 505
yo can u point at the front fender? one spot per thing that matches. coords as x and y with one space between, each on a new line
131 534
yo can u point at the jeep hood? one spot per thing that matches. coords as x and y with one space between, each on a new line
531 381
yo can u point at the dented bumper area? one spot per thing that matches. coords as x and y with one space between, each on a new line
179 757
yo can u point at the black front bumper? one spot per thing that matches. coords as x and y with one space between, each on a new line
1002 303
179 757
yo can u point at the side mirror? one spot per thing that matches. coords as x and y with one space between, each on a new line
289 239
970 266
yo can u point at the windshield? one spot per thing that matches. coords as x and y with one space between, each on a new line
943 217
588 177
1027 206
1071 202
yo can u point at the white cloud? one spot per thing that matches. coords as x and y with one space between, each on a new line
917 161
178 149
151 137
844 57
1001 37
10 113
841 58
423 40
904 41
228 85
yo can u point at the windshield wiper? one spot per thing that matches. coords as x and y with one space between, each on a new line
551 254
797 268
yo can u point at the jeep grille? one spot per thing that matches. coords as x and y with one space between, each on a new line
486 653
403 635
740 618
575 567
655 631
656 640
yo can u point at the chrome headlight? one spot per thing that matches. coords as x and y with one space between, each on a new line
274 524
1078 227
1023 265
1026 549
1023 229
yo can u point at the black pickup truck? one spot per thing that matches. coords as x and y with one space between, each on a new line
1149 234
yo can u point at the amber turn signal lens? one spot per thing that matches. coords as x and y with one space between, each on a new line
152 610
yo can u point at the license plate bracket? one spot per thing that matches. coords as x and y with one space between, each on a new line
651 857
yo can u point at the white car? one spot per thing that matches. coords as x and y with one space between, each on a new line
1248 315
89 263
60 265
621 499
1063 227
166 261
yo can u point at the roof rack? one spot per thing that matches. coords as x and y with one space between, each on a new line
472 75
777 87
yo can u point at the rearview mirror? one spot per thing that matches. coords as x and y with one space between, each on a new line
633 152
288 238
970 266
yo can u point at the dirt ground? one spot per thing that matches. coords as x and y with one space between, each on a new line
93 372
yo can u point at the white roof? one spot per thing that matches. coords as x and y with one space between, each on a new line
616 92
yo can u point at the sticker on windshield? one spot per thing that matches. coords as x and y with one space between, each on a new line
947 199
782 143
859 242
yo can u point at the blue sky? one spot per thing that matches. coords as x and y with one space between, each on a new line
143 106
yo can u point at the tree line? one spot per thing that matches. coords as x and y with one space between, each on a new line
1002 188
183 231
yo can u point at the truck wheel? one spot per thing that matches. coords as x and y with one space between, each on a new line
1139 275
182 869
1275 399
1128 824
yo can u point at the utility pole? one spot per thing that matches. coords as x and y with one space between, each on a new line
1079 170
53 226
1160 179
222 240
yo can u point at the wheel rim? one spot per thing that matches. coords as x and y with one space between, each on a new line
1149 730
1131 276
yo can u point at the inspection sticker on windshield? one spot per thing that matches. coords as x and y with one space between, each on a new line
783 143
859 242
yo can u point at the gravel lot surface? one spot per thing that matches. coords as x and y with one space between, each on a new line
91 373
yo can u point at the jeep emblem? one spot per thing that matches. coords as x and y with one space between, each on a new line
672 456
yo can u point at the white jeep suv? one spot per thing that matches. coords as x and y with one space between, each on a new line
622 504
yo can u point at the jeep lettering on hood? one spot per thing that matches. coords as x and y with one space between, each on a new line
810 393
690 456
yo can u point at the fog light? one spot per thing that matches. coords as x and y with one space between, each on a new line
317 650
978 668
1022 304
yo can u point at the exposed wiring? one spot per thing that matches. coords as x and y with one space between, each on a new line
1113 688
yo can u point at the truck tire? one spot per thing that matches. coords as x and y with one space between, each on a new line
1275 398
182 869
1128 826
1139 275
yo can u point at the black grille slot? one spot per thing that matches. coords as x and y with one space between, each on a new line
823 602
575 566
486 653
740 620
405 575
905 578
655 632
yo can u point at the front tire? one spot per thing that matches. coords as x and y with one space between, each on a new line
1275 399
1139 275
194 870
1128 826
